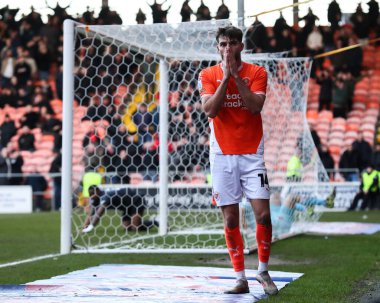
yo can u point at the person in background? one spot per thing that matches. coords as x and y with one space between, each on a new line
369 190
127 200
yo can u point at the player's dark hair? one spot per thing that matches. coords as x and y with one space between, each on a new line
231 32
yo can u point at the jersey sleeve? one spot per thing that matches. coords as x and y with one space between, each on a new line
259 83
206 85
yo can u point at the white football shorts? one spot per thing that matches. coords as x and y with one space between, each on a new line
236 175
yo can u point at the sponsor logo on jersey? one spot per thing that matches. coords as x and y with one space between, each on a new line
233 100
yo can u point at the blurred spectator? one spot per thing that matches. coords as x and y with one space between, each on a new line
4 167
150 160
26 32
223 12
50 33
314 43
334 14
128 163
39 185
8 64
7 131
103 15
324 79
31 61
375 158
50 124
315 137
373 13
15 163
257 37
328 38
148 69
96 111
340 99
203 12
310 20
353 58
327 160
279 26
140 17
26 139
56 169
285 42
88 16
369 190
299 41
34 19
350 159
43 60
8 97
364 149
349 84
22 72
159 15
143 119
360 23
92 137
23 97
186 11
60 12
31 118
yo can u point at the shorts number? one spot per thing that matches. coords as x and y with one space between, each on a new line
264 179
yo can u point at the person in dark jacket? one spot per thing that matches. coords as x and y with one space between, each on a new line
4 168
327 160
26 140
365 151
7 131
334 14
56 169
349 161
39 185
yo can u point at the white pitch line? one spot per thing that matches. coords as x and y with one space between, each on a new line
28 260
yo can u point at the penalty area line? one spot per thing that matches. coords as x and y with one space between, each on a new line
28 260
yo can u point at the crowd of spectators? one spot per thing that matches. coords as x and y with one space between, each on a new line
31 57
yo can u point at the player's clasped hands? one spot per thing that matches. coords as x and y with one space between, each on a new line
229 64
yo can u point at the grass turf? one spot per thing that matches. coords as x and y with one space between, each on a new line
332 265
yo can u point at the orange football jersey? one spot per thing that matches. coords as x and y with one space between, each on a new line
235 130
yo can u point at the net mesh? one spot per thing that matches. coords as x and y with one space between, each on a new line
116 141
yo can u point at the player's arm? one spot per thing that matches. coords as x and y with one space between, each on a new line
92 221
254 102
211 104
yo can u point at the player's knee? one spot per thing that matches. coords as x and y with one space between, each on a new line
263 218
231 221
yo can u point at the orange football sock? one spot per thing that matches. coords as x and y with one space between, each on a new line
264 239
234 242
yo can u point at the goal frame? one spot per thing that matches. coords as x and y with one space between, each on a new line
67 148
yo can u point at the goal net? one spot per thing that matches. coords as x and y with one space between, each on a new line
136 141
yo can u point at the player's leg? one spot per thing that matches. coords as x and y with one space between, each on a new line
264 240
327 202
235 245
227 194
255 185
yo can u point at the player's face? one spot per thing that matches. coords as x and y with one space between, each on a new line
232 45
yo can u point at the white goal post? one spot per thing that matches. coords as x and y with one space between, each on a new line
131 108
